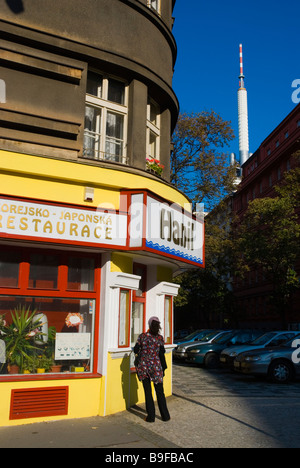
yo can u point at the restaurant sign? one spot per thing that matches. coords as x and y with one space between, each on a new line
165 228
60 224
147 224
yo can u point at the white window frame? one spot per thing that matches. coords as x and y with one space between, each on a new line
155 8
105 107
153 129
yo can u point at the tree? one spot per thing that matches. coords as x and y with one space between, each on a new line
199 167
269 240
206 295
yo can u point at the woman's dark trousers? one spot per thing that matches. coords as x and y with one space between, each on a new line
161 401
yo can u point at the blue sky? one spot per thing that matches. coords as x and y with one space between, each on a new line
208 34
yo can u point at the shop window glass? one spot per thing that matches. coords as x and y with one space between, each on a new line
124 315
43 271
137 323
81 274
9 269
168 320
44 334
140 270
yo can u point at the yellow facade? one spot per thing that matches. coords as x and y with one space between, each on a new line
57 181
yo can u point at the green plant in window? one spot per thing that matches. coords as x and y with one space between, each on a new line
28 366
154 165
43 363
19 336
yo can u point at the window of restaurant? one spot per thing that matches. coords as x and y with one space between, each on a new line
47 311
168 319
138 304
124 317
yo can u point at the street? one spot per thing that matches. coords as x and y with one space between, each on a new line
221 409
224 409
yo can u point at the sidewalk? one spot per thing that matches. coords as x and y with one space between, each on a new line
208 410
123 430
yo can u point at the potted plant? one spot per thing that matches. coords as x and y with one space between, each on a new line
43 364
18 338
153 165
28 366
55 367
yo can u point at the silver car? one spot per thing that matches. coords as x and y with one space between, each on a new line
180 352
280 364
266 340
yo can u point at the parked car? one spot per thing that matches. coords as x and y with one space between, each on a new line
196 335
209 354
273 338
280 364
180 352
181 334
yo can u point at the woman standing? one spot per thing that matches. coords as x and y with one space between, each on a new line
150 368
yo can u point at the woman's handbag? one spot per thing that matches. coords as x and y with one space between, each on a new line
162 358
137 352
137 359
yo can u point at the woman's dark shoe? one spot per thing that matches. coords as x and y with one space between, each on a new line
147 419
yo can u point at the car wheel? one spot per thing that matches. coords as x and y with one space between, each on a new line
280 371
211 361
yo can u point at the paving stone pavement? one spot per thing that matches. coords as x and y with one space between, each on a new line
219 409
209 409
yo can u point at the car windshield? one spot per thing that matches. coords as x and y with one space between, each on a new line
208 337
192 335
223 338
261 340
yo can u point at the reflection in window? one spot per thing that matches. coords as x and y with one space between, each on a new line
9 269
81 274
43 271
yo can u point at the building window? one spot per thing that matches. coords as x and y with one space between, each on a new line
105 119
153 130
47 312
124 318
138 304
155 4
278 174
168 320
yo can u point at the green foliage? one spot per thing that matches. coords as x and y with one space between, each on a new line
199 167
19 336
269 239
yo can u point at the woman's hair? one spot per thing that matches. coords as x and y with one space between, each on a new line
154 327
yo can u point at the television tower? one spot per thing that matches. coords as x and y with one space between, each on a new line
243 115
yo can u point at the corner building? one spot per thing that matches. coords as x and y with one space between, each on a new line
91 231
